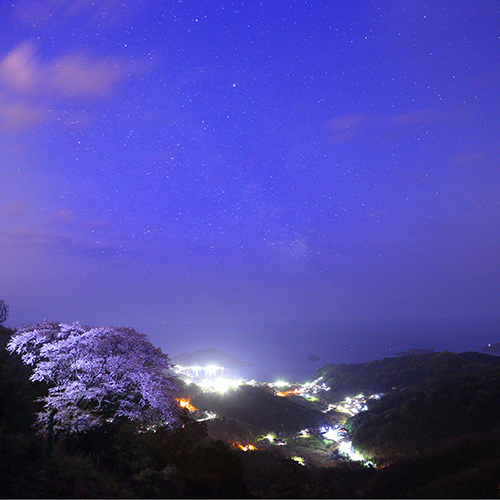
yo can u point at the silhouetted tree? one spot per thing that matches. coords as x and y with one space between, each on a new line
4 311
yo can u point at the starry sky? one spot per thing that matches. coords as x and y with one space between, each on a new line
175 165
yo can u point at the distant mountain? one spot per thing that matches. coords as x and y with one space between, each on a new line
205 357
313 357
414 352
492 349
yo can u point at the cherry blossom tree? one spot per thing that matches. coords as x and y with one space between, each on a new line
97 375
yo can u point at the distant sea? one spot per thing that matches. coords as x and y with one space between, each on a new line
279 351
294 370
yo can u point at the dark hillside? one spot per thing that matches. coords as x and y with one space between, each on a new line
261 409
411 421
385 375
463 467
437 432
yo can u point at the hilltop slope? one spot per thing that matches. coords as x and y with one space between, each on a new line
385 375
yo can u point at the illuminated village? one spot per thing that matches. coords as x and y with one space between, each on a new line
335 437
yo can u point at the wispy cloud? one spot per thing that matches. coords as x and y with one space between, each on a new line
418 117
18 114
13 209
73 75
59 12
355 125
343 128
24 238
24 228
33 90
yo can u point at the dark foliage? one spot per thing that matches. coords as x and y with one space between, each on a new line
385 375
17 393
269 476
113 461
4 311
412 420
462 467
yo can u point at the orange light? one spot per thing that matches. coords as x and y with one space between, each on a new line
244 447
184 403
287 393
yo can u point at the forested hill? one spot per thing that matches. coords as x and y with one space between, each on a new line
385 375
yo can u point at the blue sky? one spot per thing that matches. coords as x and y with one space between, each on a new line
165 163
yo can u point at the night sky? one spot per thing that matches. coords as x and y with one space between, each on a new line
188 167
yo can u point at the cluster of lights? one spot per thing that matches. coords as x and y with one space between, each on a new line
346 448
344 444
272 439
209 415
269 437
279 384
220 385
308 390
194 371
332 434
245 447
291 392
314 387
353 405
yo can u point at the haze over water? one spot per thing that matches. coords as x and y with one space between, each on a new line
280 350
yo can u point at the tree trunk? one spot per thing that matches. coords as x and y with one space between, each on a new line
50 432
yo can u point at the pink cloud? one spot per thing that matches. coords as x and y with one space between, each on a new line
346 122
33 89
78 75
62 216
421 116
61 242
65 217
22 236
19 70
20 114
74 75
374 128
14 209
345 127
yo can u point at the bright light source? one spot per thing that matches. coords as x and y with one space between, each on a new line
269 437
213 369
299 460
222 384
246 447
346 448
184 403
332 435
